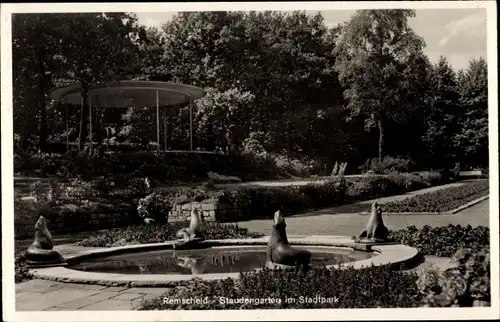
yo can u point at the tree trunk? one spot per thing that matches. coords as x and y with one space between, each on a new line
83 118
381 139
42 143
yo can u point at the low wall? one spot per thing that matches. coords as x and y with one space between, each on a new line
211 210
25 228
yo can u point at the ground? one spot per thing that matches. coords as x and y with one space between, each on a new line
47 295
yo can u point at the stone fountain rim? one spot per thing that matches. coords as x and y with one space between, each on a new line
388 254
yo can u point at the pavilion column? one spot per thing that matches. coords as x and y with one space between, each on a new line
158 119
165 128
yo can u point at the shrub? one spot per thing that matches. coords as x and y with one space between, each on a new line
158 233
21 270
444 240
465 285
369 288
154 206
441 200
388 165
432 178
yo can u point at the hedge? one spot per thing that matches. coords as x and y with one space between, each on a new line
158 233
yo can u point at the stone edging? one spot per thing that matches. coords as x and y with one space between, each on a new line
387 255
450 212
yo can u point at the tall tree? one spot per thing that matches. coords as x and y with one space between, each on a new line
441 117
36 60
472 139
376 47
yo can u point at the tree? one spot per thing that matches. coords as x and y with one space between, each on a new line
223 118
98 47
375 49
472 138
441 115
36 60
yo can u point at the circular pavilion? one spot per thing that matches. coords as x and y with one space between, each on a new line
130 93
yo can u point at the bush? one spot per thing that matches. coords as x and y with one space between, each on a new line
465 285
388 165
158 233
154 206
373 287
22 273
441 200
444 240
375 186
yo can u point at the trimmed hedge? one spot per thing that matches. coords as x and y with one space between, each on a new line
443 240
370 288
441 200
157 233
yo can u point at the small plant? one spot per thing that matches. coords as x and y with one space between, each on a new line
36 191
465 285
335 169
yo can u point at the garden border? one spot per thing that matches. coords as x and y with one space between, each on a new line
450 212
389 254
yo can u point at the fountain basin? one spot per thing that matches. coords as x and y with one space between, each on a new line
336 251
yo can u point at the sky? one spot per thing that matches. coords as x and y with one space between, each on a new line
457 34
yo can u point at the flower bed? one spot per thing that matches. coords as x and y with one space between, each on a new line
444 240
157 233
350 288
441 200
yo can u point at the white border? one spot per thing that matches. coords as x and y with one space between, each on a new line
289 315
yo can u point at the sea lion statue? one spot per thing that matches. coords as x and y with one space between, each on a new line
195 229
279 250
40 252
375 230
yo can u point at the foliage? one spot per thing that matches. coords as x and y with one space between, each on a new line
373 287
154 206
275 80
444 240
466 284
21 270
389 164
158 233
441 200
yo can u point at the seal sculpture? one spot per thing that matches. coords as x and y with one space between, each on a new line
40 252
375 230
279 250
195 229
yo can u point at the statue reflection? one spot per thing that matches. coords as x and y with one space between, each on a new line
195 264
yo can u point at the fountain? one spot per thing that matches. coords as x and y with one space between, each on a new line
173 262
40 252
